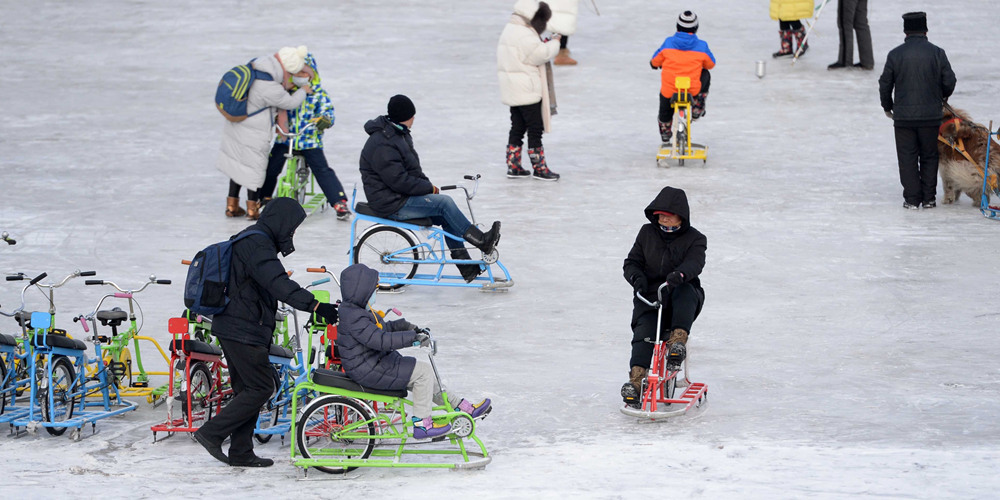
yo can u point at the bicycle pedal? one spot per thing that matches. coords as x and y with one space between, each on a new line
140 384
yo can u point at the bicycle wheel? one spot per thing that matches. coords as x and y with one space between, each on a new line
301 180
321 432
389 250
4 384
62 387
201 389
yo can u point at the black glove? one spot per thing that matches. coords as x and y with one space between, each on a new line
410 326
639 284
323 123
675 279
327 312
422 339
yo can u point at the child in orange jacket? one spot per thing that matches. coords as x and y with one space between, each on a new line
682 54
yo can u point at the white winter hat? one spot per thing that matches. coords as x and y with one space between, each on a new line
687 21
293 58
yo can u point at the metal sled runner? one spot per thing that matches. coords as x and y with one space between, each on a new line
658 401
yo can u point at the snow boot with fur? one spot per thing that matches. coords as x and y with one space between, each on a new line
253 210
632 390
233 207
563 58
678 351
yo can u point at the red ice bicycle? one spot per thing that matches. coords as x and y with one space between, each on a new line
663 379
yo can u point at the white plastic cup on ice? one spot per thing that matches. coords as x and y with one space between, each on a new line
761 69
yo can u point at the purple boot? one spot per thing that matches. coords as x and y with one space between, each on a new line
478 410
426 429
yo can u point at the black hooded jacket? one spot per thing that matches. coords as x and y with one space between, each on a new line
258 281
919 74
390 167
656 253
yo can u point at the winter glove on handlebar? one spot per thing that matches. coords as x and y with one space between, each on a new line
328 312
675 279
323 123
422 339
639 284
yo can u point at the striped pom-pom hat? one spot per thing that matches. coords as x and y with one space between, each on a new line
687 21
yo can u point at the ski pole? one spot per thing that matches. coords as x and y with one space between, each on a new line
798 51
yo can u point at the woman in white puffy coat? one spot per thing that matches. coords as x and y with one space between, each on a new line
521 58
563 22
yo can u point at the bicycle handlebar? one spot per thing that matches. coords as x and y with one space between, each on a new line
18 277
38 278
659 296
152 280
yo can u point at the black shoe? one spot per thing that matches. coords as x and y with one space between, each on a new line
929 204
469 271
676 356
544 174
213 449
837 65
517 173
860 66
485 242
910 206
255 462
631 396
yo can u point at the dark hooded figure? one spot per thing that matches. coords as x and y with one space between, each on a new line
667 250
368 347
257 282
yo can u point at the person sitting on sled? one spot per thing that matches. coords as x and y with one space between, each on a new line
367 344
667 250
682 54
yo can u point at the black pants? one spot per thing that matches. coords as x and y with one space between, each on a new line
234 191
563 41
790 25
316 162
917 153
253 383
680 311
526 118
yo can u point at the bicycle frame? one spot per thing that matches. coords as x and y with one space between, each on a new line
297 180
681 148
431 250
392 423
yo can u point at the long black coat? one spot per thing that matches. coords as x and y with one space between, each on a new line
655 253
257 280
367 344
390 167
922 78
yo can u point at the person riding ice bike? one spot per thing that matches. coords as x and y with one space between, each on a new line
397 189
368 343
667 250
682 54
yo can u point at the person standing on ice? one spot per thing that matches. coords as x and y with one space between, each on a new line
368 346
524 85
563 22
317 109
915 84
396 187
852 17
246 144
789 14
257 281
682 54
666 250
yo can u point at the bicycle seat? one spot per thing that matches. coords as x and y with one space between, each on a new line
23 318
363 208
55 340
281 352
114 317
674 99
339 380
7 339
189 346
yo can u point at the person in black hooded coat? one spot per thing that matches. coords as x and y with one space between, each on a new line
667 250
257 281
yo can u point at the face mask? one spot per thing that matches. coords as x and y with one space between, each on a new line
670 229
371 300
300 81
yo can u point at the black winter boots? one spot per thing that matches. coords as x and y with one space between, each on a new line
485 242
469 271
514 169
540 168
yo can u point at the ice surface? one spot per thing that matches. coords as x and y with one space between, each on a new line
848 345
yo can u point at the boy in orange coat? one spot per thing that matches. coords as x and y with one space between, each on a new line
683 54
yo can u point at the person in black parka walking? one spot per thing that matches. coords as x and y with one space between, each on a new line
257 281
914 86
667 250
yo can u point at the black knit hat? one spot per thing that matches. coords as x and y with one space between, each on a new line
915 22
400 108
687 22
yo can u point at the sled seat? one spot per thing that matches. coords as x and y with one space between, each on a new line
362 208
113 317
281 352
57 340
188 346
340 380
7 339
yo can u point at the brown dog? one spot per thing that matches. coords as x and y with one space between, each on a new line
959 133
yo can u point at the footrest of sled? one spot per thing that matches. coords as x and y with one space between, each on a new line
694 396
